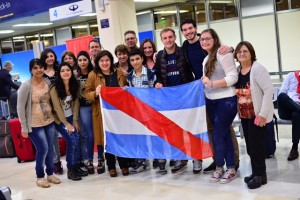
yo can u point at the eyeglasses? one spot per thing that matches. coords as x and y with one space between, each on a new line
244 52
131 38
38 67
205 39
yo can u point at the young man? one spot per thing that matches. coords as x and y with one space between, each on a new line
140 77
130 40
195 55
94 48
172 69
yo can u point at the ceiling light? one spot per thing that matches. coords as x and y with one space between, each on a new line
6 31
221 1
32 24
79 26
144 12
89 15
170 12
145 1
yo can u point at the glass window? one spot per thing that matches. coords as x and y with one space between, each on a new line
295 4
47 37
19 43
282 5
222 9
200 13
79 30
7 46
165 17
94 29
30 39
186 11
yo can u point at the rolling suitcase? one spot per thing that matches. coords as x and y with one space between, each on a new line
7 149
24 149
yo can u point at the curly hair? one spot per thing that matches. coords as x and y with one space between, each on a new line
210 64
44 56
85 54
60 87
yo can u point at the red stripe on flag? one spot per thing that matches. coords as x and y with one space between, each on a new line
157 123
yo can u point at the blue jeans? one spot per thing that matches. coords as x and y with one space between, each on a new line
86 133
73 144
221 113
56 153
42 139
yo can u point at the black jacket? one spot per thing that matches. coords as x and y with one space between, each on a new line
6 83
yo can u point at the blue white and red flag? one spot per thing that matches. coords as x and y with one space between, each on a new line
161 123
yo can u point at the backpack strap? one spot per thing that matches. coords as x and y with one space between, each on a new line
276 125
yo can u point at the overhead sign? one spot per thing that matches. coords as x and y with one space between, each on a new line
70 10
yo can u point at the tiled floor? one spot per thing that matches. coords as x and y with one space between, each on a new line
283 181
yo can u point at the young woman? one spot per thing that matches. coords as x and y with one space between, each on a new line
64 96
34 111
86 132
148 48
69 57
255 105
49 61
220 75
104 74
122 52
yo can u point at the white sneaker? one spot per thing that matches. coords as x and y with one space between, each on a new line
197 166
228 176
217 175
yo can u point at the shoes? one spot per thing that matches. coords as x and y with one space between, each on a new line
125 171
257 181
228 176
72 174
42 182
210 168
139 167
178 167
217 175
112 173
90 167
197 166
155 163
293 155
172 163
101 166
80 172
162 168
53 179
247 179
58 168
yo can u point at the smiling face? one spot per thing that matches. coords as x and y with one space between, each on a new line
122 57
168 39
148 49
70 60
136 61
50 59
65 73
243 54
130 40
83 62
105 64
37 71
189 31
207 42
94 48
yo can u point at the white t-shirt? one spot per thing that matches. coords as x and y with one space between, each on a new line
67 106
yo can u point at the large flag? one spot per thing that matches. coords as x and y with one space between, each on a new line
161 123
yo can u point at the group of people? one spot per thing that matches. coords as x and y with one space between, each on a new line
64 98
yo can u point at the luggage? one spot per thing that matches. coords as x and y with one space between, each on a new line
4 127
24 149
270 142
7 149
62 146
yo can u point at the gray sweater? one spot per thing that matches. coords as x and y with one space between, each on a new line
261 91
24 104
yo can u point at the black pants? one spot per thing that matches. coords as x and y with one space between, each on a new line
255 144
289 110
111 161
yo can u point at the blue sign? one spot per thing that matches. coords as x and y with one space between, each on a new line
104 23
11 9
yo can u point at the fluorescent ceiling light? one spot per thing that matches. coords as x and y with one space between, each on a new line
89 15
94 25
144 12
32 24
220 1
145 1
79 26
6 31
47 35
170 12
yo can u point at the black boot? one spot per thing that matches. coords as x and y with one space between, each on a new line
81 172
101 166
247 179
90 167
257 181
73 175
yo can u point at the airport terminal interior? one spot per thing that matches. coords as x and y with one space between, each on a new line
272 26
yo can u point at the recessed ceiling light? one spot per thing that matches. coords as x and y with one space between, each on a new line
89 15
6 31
32 24
145 1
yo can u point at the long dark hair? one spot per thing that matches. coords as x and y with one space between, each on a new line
210 65
60 87
99 56
44 57
142 49
85 54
